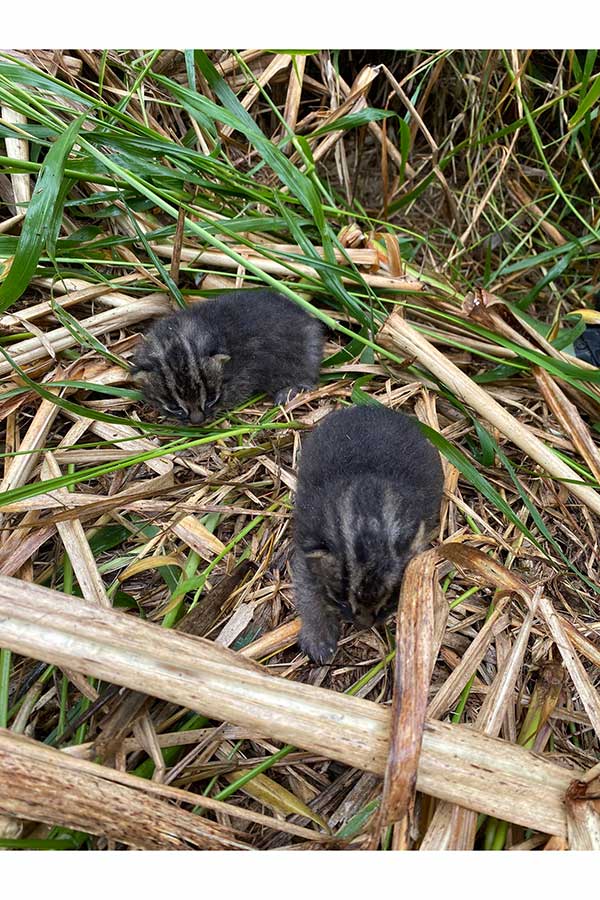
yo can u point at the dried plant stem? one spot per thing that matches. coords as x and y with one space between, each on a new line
398 334
61 338
75 291
18 148
77 546
414 666
456 764
209 258
44 785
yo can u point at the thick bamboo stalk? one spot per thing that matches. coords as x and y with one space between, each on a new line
400 335
456 764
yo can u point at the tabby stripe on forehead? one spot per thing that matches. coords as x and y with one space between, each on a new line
196 374
192 359
166 372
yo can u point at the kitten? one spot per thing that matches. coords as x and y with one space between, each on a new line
198 362
369 491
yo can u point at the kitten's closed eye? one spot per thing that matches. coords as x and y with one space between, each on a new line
176 412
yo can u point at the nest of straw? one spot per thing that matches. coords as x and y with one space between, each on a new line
152 694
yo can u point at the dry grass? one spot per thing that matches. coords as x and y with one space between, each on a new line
151 691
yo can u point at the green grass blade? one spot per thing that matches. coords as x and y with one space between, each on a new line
41 217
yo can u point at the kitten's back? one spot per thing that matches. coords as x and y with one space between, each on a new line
266 334
370 440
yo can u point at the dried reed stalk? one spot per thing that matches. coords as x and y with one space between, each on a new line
398 334
536 214
274 641
355 101
453 827
294 92
210 258
8 224
456 763
59 339
45 785
377 131
22 466
75 291
281 61
583 813
588 694
570 420
77 547
18 148
452 687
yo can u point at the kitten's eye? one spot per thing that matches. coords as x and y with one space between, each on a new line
210 403
176 412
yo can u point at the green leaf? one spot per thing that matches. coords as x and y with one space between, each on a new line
355 120
107 537
404 146
83 336
358 821
39 225
566 337
360 397
586 103
299 184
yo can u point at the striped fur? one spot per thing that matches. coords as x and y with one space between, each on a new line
199 362
369 489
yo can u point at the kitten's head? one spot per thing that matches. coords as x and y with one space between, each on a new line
358 567
180 378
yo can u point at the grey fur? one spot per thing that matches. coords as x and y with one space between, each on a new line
369 491
201 361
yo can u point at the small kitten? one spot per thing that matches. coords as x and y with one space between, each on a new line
369 491
198 362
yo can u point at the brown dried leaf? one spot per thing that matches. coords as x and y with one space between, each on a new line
484 570
415 626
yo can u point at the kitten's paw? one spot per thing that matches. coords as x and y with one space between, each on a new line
288 393
320 646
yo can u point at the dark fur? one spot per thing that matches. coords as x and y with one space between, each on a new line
199 362
369 491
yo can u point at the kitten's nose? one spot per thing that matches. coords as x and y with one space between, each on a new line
364 618
197 417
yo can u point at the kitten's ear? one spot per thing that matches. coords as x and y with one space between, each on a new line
220 359
322 562
140 374
406 547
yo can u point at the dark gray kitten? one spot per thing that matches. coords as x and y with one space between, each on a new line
369 491
198 362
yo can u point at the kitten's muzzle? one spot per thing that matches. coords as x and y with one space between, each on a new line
197 417
364 617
